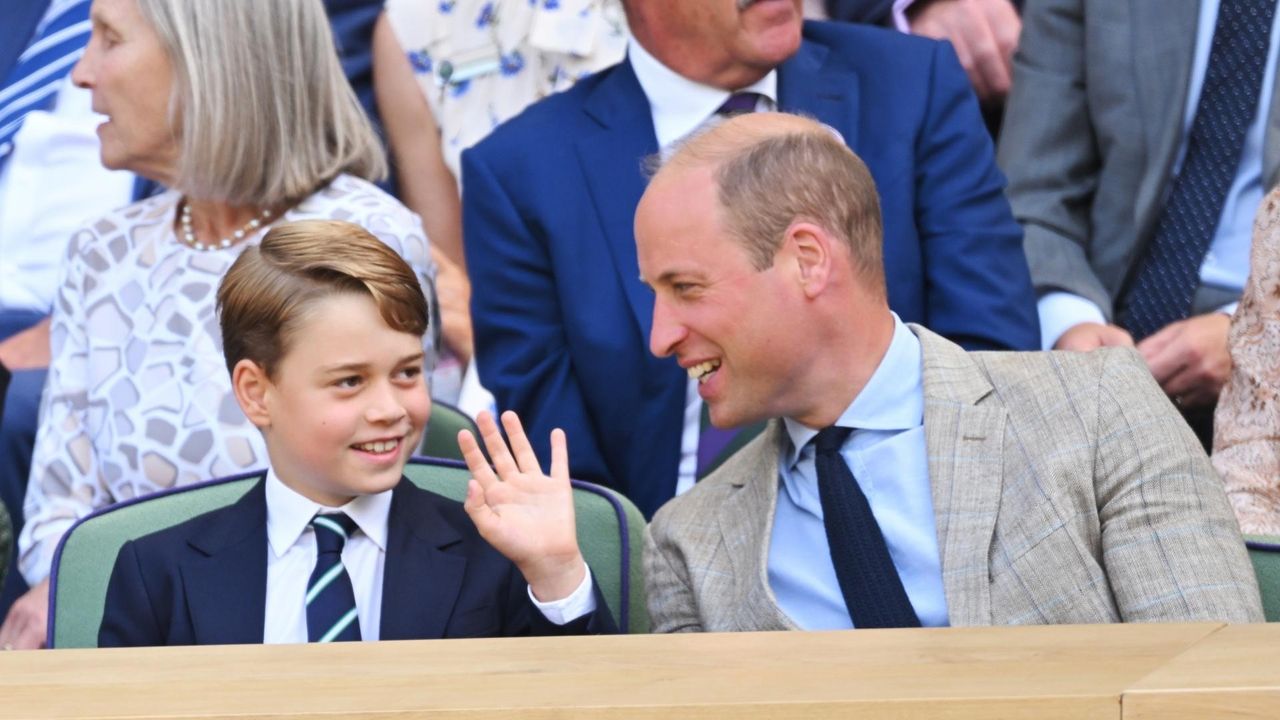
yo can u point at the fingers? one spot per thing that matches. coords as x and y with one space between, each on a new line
559 456
1164 352
478 508
477 463
503 463
520 447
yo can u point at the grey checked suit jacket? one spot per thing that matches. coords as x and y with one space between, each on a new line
1066 489
1091 133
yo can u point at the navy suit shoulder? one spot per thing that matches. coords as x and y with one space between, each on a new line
16 32
203 581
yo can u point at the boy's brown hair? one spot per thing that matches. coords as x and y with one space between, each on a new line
271 287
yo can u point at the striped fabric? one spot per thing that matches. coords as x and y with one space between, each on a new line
330 599
34 79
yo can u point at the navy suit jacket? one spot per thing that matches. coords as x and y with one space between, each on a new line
561 317
204 581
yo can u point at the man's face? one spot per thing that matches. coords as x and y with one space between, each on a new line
348 402
725 43
734 328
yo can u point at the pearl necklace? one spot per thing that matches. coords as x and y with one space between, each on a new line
189 233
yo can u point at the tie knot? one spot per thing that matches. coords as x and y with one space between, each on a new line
831 439
332 531
738 103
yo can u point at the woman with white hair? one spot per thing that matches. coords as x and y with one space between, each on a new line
241 107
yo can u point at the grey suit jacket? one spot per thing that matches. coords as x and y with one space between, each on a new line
1091 133
1066 489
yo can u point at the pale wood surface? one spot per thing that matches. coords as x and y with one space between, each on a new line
1234 672
1032 672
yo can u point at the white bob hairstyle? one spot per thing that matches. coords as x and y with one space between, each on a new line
262 110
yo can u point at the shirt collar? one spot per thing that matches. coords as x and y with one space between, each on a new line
892 400
289 514
679 105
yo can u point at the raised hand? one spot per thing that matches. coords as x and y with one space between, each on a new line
526 515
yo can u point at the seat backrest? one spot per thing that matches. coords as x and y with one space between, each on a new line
610 531
1264 551
441 438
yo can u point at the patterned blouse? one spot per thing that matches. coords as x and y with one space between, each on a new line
480 62
138 397
1246 433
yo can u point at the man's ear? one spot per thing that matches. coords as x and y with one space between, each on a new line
810 247
250 383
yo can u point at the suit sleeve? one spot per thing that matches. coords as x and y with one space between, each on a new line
1049 149
521 348
524 618
978 287
1248 418
1170 543
670 600
128 617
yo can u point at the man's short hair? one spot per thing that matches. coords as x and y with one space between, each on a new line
773 169
263 112
271 287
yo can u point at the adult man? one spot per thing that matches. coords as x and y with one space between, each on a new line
1137 192
549 198
903 480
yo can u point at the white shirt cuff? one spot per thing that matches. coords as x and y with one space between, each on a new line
566 610
900 15
1061 311
1229 309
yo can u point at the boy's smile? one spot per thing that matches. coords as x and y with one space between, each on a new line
347 404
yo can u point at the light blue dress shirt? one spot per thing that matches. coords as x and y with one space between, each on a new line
886 453
1226 265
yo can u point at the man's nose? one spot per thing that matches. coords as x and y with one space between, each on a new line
667 331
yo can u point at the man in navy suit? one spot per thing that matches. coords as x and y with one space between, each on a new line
322 328
560 314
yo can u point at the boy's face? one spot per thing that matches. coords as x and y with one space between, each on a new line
347 405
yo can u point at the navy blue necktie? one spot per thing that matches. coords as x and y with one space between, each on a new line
872 589
331 602
1163 286
738 103
33 81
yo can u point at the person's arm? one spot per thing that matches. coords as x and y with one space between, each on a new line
27 349
983 32
1051 157
128 617
521 348
528 516
1170 543
1247 423
413 137
979 290
65 483
668 596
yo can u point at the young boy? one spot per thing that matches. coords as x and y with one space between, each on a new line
322 330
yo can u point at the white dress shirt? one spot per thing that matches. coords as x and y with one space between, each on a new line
1226 264
679 106
291 558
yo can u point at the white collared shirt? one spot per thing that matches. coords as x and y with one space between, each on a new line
291 558
679 106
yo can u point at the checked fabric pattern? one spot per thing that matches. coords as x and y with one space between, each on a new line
331 601
1162 289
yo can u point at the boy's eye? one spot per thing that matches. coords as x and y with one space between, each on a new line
411 372
348 382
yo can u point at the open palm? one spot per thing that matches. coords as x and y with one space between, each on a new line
524 514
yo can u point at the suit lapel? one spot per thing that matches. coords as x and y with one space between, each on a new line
611 160
807 84
226 589
964 435
421 581
746 522
1163 51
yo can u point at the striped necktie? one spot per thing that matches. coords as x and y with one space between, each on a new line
331 601
33 82
1164 282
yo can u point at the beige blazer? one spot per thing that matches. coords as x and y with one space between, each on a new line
1066 489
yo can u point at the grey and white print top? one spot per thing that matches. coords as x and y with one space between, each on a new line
138 398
